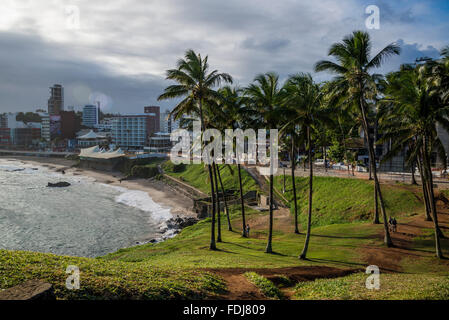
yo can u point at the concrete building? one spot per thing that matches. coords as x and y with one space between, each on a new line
90 116
56 101
45 127
130 131
69 126
27 136
154 122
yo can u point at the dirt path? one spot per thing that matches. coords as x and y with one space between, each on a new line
389 259
241 289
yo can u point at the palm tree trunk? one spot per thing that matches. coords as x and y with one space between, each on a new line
218 204
209 168
224 199
269 248
294 185
387 238
309 217
424 187
413 174
242 201
429 179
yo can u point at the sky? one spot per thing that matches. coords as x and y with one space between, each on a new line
117 51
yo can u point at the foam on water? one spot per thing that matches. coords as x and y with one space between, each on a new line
141 200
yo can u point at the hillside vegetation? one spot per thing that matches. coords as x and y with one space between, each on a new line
345 200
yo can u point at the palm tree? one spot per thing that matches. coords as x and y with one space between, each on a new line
234 112
305 96
195 84
357 85
418 104
265 96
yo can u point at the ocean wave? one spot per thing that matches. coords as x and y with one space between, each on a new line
141 200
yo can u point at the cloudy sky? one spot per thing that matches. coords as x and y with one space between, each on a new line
117 51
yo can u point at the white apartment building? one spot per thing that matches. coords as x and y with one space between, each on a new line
131 131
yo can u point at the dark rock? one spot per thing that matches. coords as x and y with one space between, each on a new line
181 222
29 290
61 184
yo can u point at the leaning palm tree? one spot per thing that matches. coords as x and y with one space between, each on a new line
265 96
306 98
196 85
357 85
235 112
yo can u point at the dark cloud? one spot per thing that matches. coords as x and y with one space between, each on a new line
30 65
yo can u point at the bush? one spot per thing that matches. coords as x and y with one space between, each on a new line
174 168
145 172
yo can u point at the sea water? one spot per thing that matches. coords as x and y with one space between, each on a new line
87 219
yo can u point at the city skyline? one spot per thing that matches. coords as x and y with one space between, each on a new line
242 39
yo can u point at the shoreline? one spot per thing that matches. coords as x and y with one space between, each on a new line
180 205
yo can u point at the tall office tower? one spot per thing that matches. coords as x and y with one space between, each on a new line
90 115
56 101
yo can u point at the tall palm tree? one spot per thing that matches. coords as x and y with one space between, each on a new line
265 96
305 96
234 112
355 82
413 99
196 85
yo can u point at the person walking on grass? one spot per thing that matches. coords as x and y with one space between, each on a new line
247 230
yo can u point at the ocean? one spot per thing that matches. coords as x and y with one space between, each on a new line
87 219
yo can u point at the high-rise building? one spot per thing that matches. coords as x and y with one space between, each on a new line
90 115
134 130
56 101
130 131
45 127
154 122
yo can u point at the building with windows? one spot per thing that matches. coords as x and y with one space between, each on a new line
131 131
154 123
56 100
45 127
91 116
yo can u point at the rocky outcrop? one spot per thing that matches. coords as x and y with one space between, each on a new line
29 290
61 184
178 222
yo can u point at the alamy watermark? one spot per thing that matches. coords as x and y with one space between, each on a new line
373 20
73 280
373 281
249 147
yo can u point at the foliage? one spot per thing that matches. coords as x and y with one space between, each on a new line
265 286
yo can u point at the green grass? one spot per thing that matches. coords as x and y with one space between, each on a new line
100 279
330 245
392 287
344 200
265 286
197 175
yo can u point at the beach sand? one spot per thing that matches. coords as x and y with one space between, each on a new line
160 192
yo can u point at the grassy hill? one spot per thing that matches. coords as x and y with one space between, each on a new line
345 200
197 175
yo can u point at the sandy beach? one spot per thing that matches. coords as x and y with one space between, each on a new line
157 190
